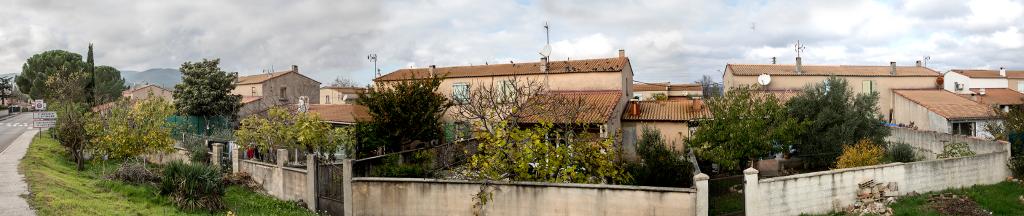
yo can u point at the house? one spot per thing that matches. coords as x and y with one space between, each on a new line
144 92
961 80
862 79
942 111
340 95
649 91
593 80
341 114
676 120
262 91
1003 98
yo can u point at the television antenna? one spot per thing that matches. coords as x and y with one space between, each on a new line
799 48
926 58
373 58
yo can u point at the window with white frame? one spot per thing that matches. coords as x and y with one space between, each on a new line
867 86
963 128
460 92
508 91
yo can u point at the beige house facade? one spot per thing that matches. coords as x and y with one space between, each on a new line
594 80
680 91
861 79
340 95
263 91
676 120
144 92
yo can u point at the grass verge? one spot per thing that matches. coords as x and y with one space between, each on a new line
58 189
1000 199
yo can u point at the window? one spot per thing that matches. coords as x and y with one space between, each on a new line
254 91
327 99
283 90
868 86
460 92
963 128
508 91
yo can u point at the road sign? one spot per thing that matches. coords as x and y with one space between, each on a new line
39 105
44 115
44 123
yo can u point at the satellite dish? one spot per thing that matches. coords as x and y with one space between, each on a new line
764 79
546 51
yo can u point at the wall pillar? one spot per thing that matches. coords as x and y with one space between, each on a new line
701 181
234 158
750 192
311 182
215 158
346 186
278 176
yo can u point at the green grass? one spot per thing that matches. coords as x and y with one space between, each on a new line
1001 199
721 200
58 189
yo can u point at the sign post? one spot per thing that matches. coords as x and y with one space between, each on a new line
42 120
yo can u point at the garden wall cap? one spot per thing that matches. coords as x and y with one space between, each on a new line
701 177
750 171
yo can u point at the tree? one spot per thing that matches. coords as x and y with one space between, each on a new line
281 129
747 124
709 87
91 71
1011 128
6 90
344 82
516 99
131 130
72 120
205 91
659 166
402 112
109 84
834 116
36 71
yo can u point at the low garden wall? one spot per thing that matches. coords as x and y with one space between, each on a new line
278 180
822 192
405 196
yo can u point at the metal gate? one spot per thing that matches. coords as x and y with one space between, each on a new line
329 188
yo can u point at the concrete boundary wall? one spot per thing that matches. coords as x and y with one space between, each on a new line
408 196
822 192
280 181
928 144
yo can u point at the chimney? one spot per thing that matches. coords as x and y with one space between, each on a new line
892 70
918 63
431 69
799 64
1002 71
634 109
295 68
622 53
544 64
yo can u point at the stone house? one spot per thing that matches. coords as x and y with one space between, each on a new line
340 95
861 79
144 92
605 82
684 91
942 111
261 91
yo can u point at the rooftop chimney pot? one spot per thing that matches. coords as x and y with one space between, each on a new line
892 66
918 63
1002 71
432 68
622 53
799 65
295 68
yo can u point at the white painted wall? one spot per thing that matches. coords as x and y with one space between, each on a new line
950 79
988 83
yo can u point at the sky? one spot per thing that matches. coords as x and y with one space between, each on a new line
671 40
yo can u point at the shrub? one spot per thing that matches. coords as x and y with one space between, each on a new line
659 166
901 152
955 150
193 186
864 153
197 150
414 165
135 172
1017 167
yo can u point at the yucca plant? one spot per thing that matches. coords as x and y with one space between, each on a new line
193 186
901 152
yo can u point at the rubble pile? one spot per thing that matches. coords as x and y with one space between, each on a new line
953 204
873 198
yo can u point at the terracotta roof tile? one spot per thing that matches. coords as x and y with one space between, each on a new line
260 78
975 73
592 107
998 96
665 86
133 90
948 104
686 87
341 113
555 67
250 99
678 110
838 70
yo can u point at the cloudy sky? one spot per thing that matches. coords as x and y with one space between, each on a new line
670 40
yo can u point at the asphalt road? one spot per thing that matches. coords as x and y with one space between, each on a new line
12 127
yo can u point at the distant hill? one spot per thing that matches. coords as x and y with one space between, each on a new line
9 74
165 77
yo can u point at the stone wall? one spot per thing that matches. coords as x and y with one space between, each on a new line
403 196
822 192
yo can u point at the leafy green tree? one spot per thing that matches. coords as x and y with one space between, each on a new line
109 84
6 90
511 153
37 70
1010 129
281 129
834 116
131 130
205 91
747 124
91 71
658 165
73 119
402 112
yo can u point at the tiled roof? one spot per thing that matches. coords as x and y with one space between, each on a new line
133 90
589 107
260 78
350 90
998 96
972 73
666 87
555 67
947 104
678 110
685 87
341 113
838 70
250 99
